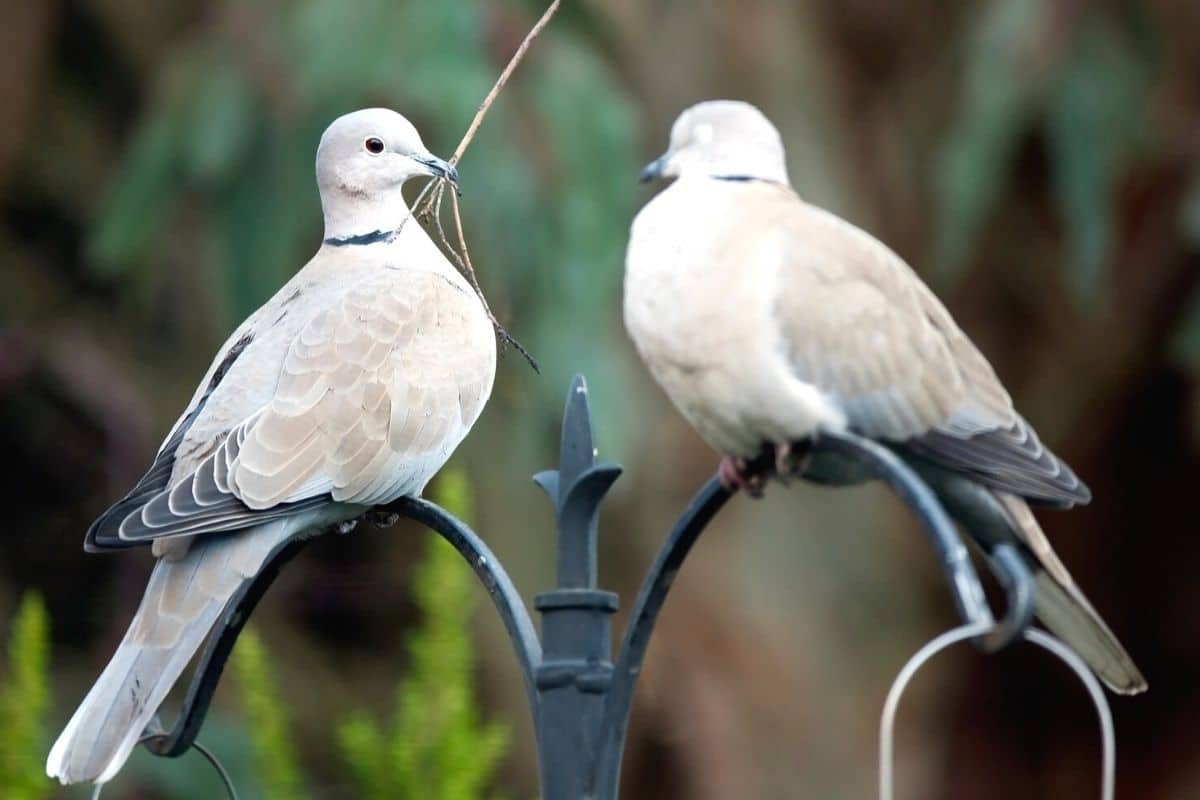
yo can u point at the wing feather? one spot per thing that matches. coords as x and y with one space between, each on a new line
373 393
860 325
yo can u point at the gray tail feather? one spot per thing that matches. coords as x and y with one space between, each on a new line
183 600
1062 606
1069 615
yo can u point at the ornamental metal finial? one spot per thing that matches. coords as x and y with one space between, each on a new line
576 489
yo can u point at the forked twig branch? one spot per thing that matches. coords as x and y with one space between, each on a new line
501 331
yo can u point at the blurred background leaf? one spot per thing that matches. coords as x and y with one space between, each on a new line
277 768
1095 123
1003 76
24 700
436 745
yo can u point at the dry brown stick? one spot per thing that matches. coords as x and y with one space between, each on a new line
502 80
465 260
495 92
462 265
463 256
420 196
434 201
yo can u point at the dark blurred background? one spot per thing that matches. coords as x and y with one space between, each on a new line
1037 161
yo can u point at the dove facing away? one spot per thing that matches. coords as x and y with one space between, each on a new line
349 388
767 320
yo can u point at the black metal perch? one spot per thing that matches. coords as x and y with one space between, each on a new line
579 698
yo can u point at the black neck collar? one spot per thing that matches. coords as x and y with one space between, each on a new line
741 178
361 238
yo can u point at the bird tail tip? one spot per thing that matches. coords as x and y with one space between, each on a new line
1068 614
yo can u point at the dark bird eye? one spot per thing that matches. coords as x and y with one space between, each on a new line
374 145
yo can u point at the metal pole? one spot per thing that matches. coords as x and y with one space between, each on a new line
576 668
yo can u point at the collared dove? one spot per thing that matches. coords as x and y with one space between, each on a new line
349 388
767 320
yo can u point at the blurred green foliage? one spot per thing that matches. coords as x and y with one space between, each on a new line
277 770
436 747
24 701
998 93
1090 96
1095 123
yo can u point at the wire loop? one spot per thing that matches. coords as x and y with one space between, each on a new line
208 755
974 631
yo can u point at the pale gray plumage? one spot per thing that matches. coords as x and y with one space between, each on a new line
766 320
349 388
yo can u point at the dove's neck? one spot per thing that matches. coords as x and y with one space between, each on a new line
742 161
751 167
354 218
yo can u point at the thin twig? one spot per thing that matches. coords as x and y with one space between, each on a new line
433 204
502 80
420 196
219 767
495 92
501 331
441 232
209 756
431 212
463 257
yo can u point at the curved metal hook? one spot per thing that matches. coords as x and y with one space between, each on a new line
182 735
211 757
208 755
651 596
500 588
916 494
859 453
1015 578
505 597
884 465
977 631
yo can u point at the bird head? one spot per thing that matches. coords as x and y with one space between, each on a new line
363 160
372 152
721 139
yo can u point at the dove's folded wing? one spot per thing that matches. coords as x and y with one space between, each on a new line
859 324
102 534
374 392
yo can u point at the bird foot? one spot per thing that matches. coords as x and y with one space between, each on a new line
791 460
783 460
738 474
383 519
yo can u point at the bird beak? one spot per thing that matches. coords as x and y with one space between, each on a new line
438 168
654 170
